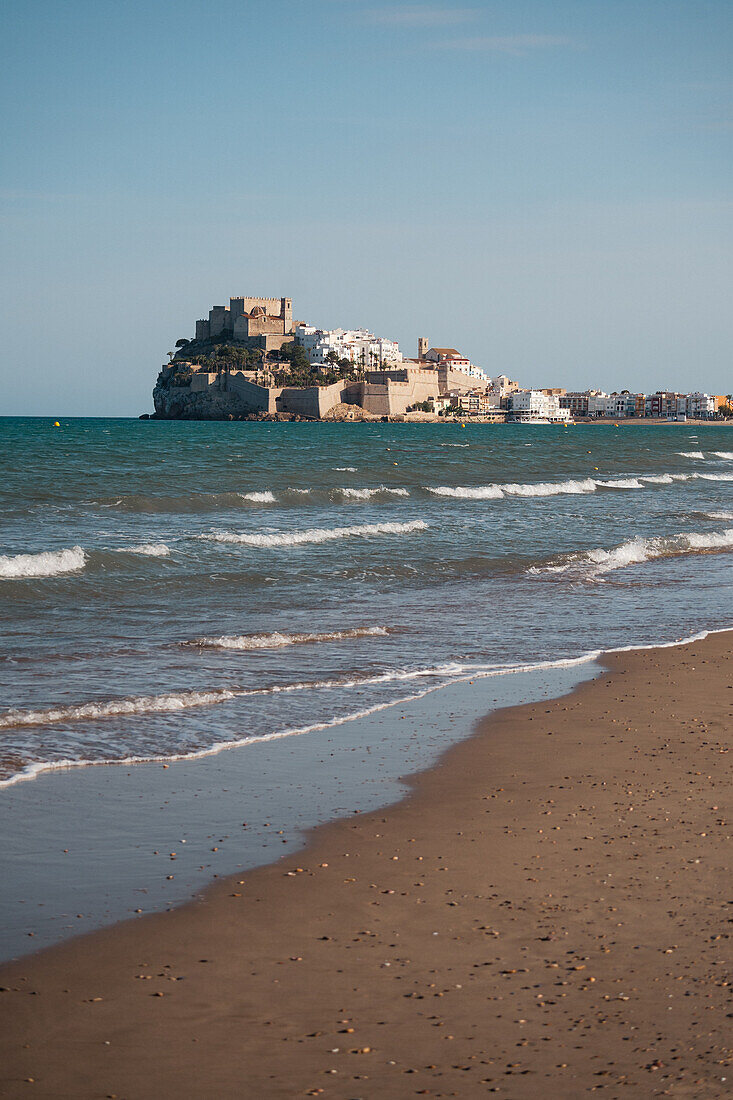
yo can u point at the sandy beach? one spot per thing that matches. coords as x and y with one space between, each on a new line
546 915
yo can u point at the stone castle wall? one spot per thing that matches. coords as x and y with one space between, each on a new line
384 393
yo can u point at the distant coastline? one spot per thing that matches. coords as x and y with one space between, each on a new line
252 360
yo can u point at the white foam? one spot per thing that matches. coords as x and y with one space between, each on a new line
141 704
457 673
719 515
599 561
367 494
150 549
550 488
691 454
465 492
621 483
344 469
514 489
723 454
264 497
468 672
556 488
720 540
49 563
699 637
277 639
318 534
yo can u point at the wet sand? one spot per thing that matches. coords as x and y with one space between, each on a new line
548 914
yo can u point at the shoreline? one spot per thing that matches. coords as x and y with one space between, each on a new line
321 974
362 417
91 845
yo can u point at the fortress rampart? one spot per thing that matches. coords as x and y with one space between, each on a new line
381 393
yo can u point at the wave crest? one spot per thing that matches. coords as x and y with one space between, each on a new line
515 489
264 497
621 483
318 534
277 639
150 549
593 563
367 494
49 563
142 704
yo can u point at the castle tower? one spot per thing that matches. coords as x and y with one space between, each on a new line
422 346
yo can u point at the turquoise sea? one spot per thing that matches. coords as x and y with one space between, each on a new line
168 588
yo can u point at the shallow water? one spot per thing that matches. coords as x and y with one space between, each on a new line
91 846
167 589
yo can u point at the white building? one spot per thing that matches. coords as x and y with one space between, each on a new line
503 385
534 405
357 345
698 406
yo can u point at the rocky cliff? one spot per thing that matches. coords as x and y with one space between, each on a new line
174 399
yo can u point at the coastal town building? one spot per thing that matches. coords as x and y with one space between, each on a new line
450 358
476 403
359 346
503 386
702 406
575 403
533 405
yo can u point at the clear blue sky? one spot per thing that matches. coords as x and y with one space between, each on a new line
544 184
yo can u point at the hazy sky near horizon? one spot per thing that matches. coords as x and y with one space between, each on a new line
544 184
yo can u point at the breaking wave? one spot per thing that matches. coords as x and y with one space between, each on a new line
465 492
556 488
318 534
691 454
49 563
277 640
446 674
150 549
367 494
621 483
593 563
344 469
495 492
723 454
143 704
264 497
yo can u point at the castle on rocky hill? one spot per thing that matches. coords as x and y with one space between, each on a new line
375 378
265 323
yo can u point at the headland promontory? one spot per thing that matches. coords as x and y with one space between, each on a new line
252 360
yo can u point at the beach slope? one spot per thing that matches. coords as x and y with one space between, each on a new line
548 914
